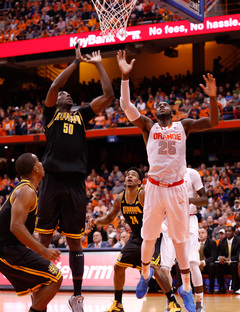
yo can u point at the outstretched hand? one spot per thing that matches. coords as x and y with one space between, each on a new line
211 88
124 67
94 58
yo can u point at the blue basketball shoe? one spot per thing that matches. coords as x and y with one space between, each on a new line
142 286
188 299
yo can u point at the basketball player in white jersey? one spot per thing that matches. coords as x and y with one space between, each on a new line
165 190
168 254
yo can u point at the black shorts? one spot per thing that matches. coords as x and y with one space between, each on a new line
25 269
130 255
62 203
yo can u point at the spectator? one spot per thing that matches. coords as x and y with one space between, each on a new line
208 255
221 225
204 112
123 238
112 241
210 226
194 112
21 127
100 121
100 229
228 253
236 207
8 126
100 207
111 231
228 111
98 242
210 212
221 236
230 216
118 188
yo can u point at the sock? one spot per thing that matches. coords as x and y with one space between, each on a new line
199 297
145 270
186 282
171 296
34 310
118 295
76 261
77 285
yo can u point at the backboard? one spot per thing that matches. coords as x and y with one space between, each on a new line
190 10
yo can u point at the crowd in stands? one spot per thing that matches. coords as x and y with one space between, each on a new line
219 218
186 99
22 20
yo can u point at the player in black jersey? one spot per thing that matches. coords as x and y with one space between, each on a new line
130 203
62 194
23 260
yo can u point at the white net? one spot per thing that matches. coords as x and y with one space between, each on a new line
113 16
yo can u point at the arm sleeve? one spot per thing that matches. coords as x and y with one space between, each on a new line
130 110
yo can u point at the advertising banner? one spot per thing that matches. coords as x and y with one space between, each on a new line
158 31
98 272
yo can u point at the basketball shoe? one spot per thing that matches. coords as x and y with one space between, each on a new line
188 299
142 286
115 307
172 307
200 307
76 303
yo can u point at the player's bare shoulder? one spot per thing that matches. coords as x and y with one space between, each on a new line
118 199
141 196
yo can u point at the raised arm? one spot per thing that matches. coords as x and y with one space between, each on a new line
206 122
104 100
142 122
60 81
24 200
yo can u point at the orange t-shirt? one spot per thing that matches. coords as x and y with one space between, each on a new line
204 112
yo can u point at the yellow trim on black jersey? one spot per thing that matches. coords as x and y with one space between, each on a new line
43 231
82 121
34 289
124 265
74 236
137 197
128 265
52 120
24 182
34 272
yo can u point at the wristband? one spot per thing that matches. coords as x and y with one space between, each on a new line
76 61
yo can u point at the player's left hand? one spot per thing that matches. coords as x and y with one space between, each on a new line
95 58
211 88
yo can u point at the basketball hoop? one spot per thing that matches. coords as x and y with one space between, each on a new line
113 16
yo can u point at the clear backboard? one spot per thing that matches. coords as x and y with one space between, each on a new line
190 10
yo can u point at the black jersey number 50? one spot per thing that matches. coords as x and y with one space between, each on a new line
67 128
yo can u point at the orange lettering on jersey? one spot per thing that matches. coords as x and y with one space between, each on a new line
171 136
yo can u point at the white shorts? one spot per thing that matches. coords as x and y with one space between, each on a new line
168 254
173 201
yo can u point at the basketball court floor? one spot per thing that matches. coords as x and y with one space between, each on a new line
98 302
